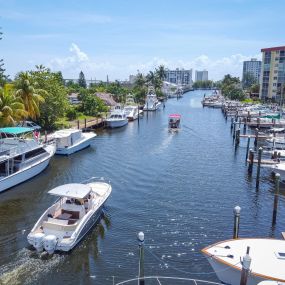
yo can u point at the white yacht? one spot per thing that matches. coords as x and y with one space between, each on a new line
69 141
151 102
117 118
131 109
63 225
267 259
22 156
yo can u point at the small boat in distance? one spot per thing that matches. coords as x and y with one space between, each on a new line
117 118
69 141
267 259
151 102
63 225
22 156
174 122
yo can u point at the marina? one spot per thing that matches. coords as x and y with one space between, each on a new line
180 212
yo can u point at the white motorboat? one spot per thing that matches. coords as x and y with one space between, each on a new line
174 122
69 141
117 118
276 142
22 156
151 102
267 259
63 225
131 110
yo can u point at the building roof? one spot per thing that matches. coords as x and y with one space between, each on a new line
273 49
107 98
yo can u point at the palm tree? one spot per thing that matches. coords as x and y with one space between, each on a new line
140 80
30 96
151 78
161 73
11 108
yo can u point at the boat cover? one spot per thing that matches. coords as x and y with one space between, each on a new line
72 190
16 130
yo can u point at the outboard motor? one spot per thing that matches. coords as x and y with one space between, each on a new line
50 242
38 241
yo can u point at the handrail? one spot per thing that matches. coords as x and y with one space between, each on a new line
195 281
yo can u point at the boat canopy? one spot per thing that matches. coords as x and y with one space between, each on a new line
72 190
15 130
175 116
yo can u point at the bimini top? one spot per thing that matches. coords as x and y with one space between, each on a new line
176 116
15 130
72 190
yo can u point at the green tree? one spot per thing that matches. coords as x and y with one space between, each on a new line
55 97
30 95
161 73
81 80
12 108
248 80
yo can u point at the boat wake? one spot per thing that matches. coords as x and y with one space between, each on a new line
165 143
26 267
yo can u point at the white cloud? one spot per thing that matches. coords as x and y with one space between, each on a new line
121 68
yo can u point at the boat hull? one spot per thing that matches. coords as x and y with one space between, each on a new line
116 123
230 275
25 174
75 148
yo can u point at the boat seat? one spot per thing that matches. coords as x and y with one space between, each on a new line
57 221
74 214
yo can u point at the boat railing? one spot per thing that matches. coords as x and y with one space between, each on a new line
160 279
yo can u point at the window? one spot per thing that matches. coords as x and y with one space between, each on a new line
275 78
34 153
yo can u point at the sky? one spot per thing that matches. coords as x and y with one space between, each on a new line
121 37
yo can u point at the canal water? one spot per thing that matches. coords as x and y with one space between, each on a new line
178 188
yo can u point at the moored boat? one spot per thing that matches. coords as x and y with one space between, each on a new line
117 118
151 101
267 259
22 156
63 225
69 141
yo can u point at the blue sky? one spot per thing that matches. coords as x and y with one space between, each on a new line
119 37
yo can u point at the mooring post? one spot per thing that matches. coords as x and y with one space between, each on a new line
251 158
258 166
276 196
232 123
247 148
275 154
78 127
141 261
256 137
45 136
258 122
234 130
85 123
244 125
237 136
237 210
246 261
239 122
138 114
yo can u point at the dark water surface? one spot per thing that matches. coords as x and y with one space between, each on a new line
180 189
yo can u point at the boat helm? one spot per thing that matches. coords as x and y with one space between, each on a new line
50 242
38 241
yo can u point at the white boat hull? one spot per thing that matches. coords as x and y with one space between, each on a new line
116 123
77 146
25 173
230 275
152 107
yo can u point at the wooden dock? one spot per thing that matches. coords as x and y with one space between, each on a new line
265 161
90 124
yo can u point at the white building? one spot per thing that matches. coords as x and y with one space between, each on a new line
252 67
179 76
201 75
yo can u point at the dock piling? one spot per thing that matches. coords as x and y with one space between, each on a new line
246 261
276 196
251 158
237 210
247 148
141 261
256 137
258 166
237 136
232 123
78 125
